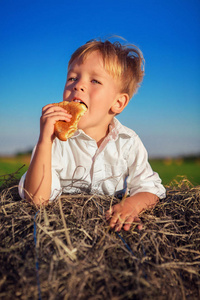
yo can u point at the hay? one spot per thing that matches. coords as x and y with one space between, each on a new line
71 253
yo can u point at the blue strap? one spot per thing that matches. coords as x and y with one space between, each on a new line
36 252
125 243
117 233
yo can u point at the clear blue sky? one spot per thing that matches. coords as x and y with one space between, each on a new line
38 37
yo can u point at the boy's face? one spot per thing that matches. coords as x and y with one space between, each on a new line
89 82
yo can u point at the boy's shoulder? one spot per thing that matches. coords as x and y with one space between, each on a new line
123 130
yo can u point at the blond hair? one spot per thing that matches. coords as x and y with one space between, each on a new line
123 62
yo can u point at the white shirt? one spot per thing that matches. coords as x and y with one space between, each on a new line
120 163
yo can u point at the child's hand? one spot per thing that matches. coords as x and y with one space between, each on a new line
50 115
128 210
123 215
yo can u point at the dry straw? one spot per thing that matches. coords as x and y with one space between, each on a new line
81 258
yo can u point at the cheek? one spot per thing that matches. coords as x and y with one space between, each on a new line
65 94
83 121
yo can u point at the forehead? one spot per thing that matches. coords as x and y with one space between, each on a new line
92 60
97 65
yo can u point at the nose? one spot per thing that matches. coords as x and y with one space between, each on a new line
79 86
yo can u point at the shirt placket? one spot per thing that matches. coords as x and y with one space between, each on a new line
97 173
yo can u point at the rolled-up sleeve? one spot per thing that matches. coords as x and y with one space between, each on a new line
141 176
23 178
56 189
21 186
56 166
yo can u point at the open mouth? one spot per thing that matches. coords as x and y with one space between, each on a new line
80 101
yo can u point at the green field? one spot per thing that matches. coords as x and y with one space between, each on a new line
168 169
10 165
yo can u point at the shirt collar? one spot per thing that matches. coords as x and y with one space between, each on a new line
82 134
116 129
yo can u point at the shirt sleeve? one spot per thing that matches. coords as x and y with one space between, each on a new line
141 176
21 186
56 166
22 180
56 189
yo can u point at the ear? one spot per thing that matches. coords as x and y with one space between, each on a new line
120 103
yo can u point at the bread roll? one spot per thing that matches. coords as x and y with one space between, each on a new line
64 130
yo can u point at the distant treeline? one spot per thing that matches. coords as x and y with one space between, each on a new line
185 158
189 157
22 153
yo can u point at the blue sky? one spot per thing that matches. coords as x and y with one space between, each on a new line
38 37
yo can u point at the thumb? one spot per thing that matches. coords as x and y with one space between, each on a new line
109 213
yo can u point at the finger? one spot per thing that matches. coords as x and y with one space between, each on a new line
56 116
114 220
128 223
140 226
119 224
54 109
137 219
46 107
108 213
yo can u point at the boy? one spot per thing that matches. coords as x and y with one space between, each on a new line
103 156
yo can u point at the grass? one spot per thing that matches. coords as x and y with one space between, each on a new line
168 169
9 165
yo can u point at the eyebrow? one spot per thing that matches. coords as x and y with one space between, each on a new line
97 74
92 74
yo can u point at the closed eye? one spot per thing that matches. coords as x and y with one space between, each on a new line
96 81
72 79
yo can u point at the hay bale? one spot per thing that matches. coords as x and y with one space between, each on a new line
67 251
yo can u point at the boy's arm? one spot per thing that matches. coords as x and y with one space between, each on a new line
128 210
38 178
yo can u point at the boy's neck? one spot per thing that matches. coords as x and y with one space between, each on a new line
98 136
102 139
